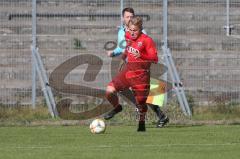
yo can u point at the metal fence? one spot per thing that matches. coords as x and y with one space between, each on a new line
206 58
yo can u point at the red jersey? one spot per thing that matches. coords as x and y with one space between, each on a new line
143 46
136 73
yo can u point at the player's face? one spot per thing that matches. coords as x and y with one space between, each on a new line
126 17
134 30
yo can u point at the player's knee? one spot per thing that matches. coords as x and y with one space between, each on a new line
142 108
110 90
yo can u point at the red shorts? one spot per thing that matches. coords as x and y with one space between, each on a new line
138 81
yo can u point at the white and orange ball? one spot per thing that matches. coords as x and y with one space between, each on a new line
97 126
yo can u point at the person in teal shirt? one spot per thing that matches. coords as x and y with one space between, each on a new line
127 14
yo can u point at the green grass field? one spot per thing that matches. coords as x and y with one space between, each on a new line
76 142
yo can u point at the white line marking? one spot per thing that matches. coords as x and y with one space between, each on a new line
26 147
166 145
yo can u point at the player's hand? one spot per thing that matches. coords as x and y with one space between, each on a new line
110 53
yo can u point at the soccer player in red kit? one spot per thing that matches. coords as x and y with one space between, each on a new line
140 53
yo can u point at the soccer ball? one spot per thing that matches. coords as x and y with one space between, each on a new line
97 126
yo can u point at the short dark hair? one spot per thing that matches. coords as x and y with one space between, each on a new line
128 9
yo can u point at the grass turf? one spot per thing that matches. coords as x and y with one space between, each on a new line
76 142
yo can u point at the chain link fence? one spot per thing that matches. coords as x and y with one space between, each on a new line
206 58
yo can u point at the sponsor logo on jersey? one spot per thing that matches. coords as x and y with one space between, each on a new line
133 50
